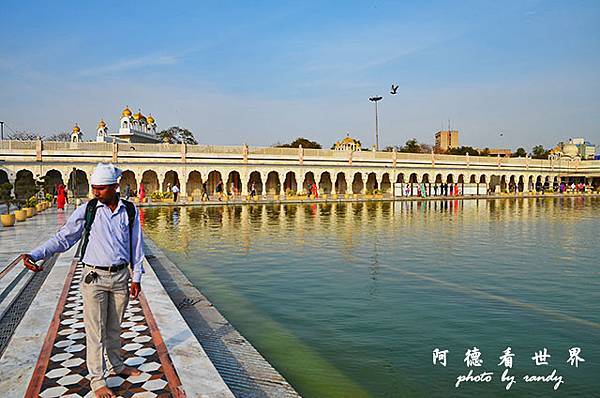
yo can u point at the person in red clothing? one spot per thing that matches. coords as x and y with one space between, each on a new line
142 193
61 198
314 191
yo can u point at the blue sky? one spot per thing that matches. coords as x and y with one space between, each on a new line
267 72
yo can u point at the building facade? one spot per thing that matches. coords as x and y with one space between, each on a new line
446 139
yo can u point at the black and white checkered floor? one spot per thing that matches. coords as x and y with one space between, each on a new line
66 373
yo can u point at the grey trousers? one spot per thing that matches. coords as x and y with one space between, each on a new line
104 304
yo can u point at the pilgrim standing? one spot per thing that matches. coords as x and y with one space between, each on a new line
106 273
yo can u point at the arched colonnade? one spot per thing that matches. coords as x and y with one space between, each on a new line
274 181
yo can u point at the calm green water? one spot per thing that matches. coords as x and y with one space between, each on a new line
349 300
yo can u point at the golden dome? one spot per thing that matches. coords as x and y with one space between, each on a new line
76 128
126 112
150 119
139 116
101 125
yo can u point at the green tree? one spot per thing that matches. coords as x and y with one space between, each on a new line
463 150
177 135
411 146
538 152
520 153
306 143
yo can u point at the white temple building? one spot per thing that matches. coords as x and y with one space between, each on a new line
76 134
133 128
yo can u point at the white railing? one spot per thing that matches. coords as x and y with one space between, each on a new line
293 155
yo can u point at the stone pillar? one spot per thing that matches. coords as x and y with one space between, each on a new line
365 178
281 181
264 177
115 151
161 179
244 180
38 150
183 152
182 184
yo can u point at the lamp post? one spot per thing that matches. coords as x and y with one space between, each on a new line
376 99
1 131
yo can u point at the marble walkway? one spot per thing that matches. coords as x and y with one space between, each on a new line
45 356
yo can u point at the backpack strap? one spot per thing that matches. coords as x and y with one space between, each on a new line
90 214
130 207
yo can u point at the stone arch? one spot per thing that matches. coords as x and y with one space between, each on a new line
439 179
24 185
213 179
538 183
371 182
413 178
234 183
78 184
325 185
290 182
357 183
309 178
494 183
52 178
400 177
150 181
503 183
193 186
461 179
341 186
450 179
555 183
171 178
531 183
512 183
547 183
521 185
273 185
256 179
482 179
128 178
425 178
3 177
472 179
386 184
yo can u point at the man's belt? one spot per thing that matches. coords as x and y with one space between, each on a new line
112 268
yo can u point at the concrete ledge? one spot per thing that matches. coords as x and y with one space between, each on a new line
198 376
21 355
351 200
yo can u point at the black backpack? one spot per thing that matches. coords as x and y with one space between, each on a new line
90 214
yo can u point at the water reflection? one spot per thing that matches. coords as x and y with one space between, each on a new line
316 287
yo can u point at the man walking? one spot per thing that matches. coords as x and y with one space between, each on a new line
175 191
112 239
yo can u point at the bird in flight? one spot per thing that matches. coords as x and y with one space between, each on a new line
394 89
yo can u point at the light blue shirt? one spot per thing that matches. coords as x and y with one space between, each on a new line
109 239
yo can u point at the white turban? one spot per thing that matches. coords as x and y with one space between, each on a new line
105 174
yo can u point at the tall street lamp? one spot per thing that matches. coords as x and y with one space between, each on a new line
375 100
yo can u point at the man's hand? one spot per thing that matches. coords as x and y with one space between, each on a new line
30 264
134 290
